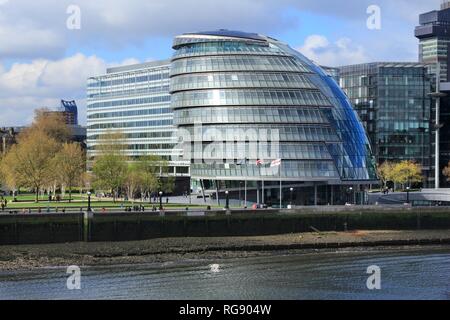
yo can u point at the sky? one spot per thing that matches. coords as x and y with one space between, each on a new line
48 48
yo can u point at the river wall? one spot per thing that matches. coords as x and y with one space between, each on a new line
73 227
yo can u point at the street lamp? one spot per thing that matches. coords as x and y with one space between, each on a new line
89 201
351 194
227 203
240 201
407 194
292 190
160 200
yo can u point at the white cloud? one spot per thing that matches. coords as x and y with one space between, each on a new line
42 83
341 52
37 29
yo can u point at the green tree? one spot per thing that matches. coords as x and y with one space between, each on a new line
134 179
110 166
150 168
110 172
29 163
70 165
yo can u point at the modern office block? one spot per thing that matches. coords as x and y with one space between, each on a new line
135 101
393 102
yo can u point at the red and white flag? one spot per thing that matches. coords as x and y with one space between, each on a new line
259 162
275 163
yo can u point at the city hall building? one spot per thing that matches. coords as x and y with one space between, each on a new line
246 113
229 81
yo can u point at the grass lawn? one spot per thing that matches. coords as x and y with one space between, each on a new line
26 201
32 197
94 204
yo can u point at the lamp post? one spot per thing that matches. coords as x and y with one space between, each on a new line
351 194
160 200
407 194
240 201
292 191
227 202
437 95
89 201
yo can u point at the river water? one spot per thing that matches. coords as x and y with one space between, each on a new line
413 273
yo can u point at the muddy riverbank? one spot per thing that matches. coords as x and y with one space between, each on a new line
17 257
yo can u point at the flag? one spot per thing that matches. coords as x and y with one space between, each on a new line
242 162
259 162
275 163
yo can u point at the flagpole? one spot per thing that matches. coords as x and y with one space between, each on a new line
262 196
245 191
280 186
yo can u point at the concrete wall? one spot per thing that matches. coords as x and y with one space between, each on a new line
48 228
33 228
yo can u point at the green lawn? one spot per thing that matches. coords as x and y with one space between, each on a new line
27 201
31 197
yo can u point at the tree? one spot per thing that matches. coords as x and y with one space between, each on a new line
407 172
385 172
134 180
151 167
29 162
110 164
69 163
52 124
446 172
110 172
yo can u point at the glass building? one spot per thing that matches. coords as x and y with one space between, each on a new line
135 101
393 102
434 36
235 89
434 48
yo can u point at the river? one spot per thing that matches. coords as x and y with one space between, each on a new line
412 273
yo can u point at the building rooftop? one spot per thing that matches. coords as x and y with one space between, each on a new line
392 64
133 67
230 33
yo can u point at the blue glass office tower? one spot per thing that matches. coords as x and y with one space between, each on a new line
234 80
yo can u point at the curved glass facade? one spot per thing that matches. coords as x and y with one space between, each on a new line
229 87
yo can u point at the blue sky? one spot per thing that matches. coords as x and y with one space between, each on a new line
42 61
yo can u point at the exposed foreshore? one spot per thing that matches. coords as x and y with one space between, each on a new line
22 257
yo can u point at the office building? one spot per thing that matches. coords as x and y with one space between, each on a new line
135 101
393 102
434 51
434 40
68 110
